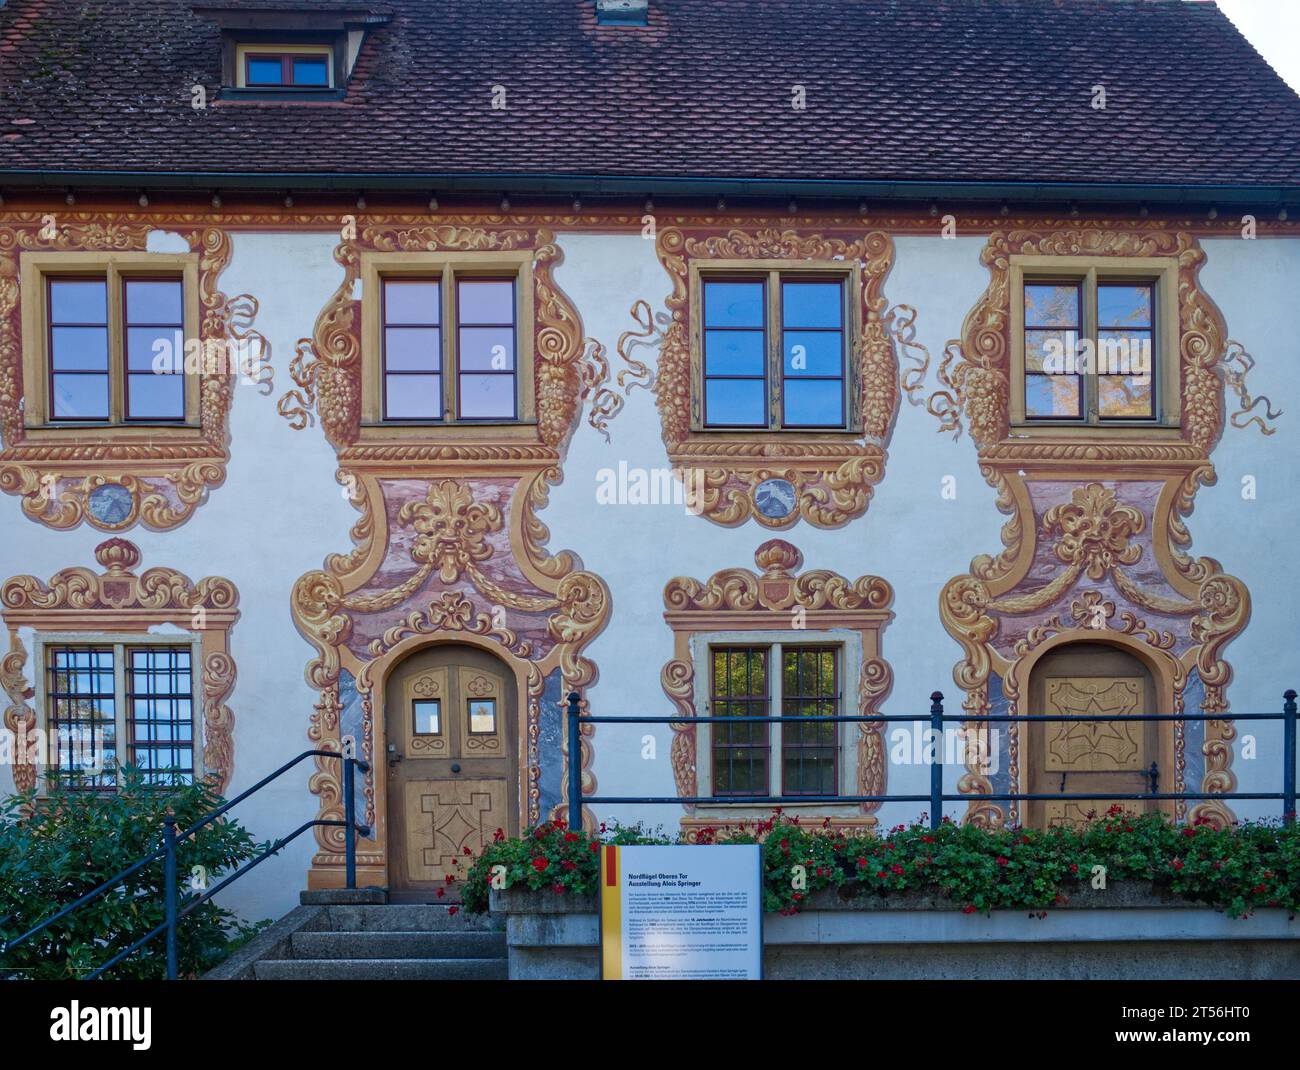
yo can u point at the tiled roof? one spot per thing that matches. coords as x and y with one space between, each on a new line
896 90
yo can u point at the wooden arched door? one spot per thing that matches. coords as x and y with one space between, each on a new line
1067 757
451 755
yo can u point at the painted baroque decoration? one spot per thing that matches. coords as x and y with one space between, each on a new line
1096 547
100 478
121 601
832 475
737 599
449 547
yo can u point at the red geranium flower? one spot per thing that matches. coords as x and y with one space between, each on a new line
540 864
1001 861
451 911
969 908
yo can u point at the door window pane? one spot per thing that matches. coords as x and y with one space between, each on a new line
482 716
426 717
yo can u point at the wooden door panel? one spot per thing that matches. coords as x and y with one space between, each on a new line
1087 682
443 817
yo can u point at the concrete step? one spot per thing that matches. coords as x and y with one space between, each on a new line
399 945
409 918
493 969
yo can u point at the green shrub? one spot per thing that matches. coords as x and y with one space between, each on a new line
1240 868
55 849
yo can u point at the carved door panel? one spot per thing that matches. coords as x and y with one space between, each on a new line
451 765
1068 757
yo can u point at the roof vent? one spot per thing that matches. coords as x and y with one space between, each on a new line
622 12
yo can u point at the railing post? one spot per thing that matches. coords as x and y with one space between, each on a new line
575 762
936 759
350 816
1288 756
169 890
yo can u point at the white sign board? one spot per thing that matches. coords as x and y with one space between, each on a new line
681 913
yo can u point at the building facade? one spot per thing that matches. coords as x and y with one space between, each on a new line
334 414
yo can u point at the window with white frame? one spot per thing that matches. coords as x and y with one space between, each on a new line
754 759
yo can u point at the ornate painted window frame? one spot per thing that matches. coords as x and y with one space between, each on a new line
115 477
375 267
779 477
121 603
37 268
821 604
1163 271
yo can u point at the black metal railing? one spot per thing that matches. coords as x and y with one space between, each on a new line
167 852
936 796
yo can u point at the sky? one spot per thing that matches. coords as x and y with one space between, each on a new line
1273 27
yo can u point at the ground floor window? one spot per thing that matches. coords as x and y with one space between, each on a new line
806 683
112 704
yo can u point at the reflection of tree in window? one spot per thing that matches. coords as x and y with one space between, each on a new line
809 752
739 689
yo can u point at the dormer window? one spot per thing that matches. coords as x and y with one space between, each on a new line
290 49
287 67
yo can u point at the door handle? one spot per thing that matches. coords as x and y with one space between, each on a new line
393 756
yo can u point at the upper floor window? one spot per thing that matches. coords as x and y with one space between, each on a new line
107 344
806 683
285 66
113 704
1095 346
466 372
774 351
448 341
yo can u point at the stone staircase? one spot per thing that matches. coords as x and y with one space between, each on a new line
375 943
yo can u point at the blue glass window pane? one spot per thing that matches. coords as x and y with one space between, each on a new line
487 397
486 301
154 301
1123 305
487 349
413 397
144 345
1052 305
733 304
1056 396
814 403
264 70
735 402
80 397
78 301
811 304
814 353
733 353
412 301
79 348
155 397
412 349
311 70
